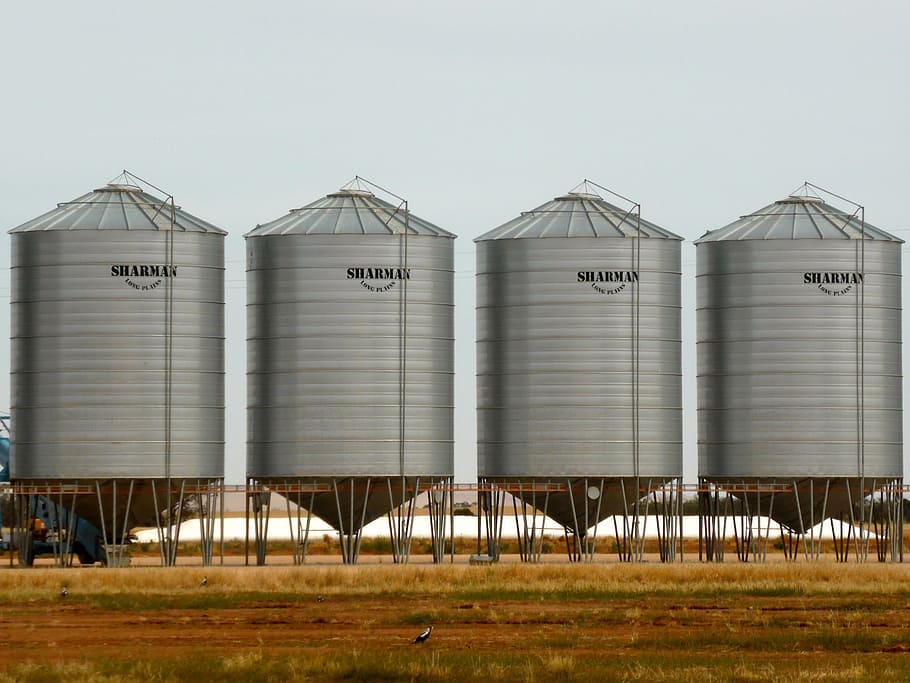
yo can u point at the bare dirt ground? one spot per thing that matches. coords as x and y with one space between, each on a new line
50 631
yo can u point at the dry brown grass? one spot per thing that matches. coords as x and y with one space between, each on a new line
446 580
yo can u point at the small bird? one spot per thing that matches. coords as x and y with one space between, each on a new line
205 581
423 636
320 598
64 592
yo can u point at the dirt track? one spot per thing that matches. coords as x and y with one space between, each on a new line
74 630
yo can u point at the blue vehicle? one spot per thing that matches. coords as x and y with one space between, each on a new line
4 448
4 469
51 528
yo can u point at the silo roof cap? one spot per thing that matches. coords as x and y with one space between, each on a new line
798 217
800 199
119 187
351 192
578 213
349 211
577 197
117 206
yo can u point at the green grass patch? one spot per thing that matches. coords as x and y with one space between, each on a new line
434 665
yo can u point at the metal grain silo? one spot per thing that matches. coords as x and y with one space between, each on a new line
117 372
350 321
579 405
799 363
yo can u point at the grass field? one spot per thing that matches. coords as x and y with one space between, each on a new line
692 622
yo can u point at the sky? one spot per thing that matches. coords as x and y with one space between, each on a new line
474 111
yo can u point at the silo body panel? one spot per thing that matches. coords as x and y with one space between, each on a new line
336 331
92 391
558 352
799 357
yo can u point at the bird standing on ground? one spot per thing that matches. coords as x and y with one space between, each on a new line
423 636
205 581
64 592
320 598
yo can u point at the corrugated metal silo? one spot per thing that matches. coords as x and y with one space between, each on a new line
350 307
117 339
799 360
578 358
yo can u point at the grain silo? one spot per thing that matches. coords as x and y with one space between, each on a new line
579 406
117 368
350 321
799 375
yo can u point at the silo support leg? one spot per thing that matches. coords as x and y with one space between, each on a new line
896 515
591 540
492 510
162 532
342 536
22 539
72 520
799 514
167 526
818 548
439 496
58 532
861 531
708 507
530 524
500 516
642 517
363 514
261 504
207 500
298 535
123 557
175 545
103 522
836 539
67 526
667 511
623 549
521 530
349 535
114 543
886 516
767 534
543 521
577 534
401 513
309 518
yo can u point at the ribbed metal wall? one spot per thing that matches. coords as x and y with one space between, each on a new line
93 373
578 378
335 355
798 377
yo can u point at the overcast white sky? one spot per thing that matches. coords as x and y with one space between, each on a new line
474 111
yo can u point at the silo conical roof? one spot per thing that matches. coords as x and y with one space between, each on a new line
577 214
350 211
798 217
117 206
